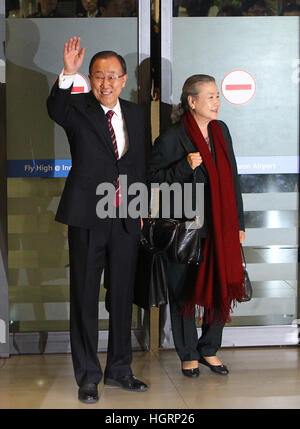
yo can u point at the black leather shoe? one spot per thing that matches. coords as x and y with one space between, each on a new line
127 382
88 393
192 373
218 369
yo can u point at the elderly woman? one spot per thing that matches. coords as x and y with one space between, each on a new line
199 148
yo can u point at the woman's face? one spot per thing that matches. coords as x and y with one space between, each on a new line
205 106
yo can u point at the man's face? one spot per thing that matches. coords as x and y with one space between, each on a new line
90 5
47 6
107 81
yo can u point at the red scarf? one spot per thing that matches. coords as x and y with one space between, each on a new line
219 283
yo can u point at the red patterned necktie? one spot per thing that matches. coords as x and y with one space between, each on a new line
109 115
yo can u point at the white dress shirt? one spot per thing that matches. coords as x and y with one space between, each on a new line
117 121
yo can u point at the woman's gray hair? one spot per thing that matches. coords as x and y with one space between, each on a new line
190 87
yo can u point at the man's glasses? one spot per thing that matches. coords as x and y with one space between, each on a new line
99 77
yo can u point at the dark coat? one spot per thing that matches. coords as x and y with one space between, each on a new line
93 157
168 163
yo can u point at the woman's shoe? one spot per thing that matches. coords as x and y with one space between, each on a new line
192 373
218 369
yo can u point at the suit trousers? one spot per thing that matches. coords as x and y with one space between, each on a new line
181 278
92 250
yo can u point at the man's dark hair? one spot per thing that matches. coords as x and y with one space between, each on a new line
249 3
108 54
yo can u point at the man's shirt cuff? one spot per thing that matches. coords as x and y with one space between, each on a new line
65 81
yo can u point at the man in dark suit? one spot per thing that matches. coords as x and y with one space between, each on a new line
106 136
47 9
89 9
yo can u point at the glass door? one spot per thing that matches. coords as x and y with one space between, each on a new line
39 158
254 56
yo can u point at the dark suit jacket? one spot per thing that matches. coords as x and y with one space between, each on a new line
84 14
168 163
93 157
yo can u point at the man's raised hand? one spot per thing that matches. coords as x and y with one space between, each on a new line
73 56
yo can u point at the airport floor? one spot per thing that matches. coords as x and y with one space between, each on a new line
259 378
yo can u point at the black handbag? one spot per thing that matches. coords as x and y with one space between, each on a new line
180 240
150 287
247 283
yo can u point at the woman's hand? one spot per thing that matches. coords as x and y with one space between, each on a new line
194 159
73 56
242 236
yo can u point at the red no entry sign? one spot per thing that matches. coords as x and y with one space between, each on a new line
80 84
238 87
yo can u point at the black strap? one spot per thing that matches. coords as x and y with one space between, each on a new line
243 256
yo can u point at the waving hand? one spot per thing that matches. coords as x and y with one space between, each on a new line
73 56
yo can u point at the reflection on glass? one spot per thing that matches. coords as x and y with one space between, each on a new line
273 219
71 8
38 261
107 8
255 8
292 9
38 250
46 9
270 254
13 9
235 8
88 9
257 183
32 9
263 219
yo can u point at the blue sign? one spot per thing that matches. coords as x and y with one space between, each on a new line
61 167
39 168
267 164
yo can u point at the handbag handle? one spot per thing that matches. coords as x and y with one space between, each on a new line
243 257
